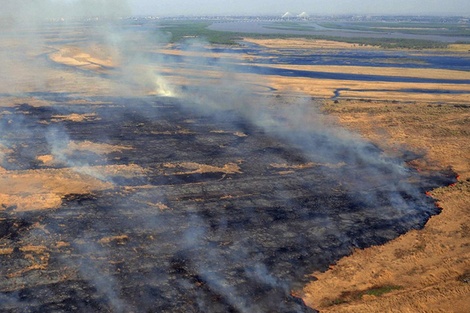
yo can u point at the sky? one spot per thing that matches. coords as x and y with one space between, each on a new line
27 11
312 7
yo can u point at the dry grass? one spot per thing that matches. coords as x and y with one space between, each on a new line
286 166
32 101
217 55
6 251
75 117
426 263
38 258
459 47
77 57
44 189
187 168
302 43
237 133
98 148
121 239
439 129
325 88
33 249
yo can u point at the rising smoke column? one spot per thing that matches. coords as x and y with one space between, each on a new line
368 174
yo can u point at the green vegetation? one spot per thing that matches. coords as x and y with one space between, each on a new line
377 291
183 30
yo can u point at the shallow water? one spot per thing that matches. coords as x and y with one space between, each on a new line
264 28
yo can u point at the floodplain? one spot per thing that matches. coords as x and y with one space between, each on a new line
274 174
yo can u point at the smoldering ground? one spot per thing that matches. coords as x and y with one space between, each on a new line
185 236
193 241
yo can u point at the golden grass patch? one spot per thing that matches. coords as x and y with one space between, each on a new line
187 168
120 239
76 57
325 88
75 117
426 264
44 189
303 43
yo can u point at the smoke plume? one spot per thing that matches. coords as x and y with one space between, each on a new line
208 252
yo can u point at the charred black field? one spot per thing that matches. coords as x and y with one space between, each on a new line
202 211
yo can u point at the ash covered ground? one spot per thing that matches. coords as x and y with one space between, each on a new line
222 215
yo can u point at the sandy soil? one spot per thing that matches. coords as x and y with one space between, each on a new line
421 271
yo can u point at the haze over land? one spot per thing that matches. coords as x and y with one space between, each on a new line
71 8
406 7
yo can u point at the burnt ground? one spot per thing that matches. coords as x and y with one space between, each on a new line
182 241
